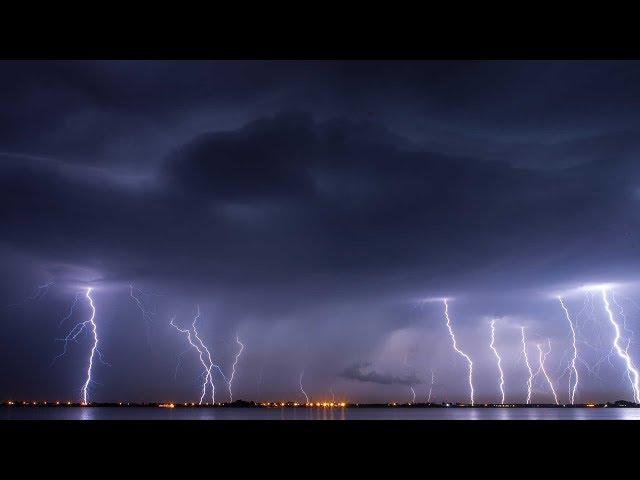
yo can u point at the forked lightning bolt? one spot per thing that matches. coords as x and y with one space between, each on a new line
94 333
73 335
212 365
201 355
233 368
526 361
624 327
413 394
542 357
306 397
70 312
574 368
632 372
208 378
147 316
498 359
460 352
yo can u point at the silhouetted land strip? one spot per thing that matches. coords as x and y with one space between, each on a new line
245 404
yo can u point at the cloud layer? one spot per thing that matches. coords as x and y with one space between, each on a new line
310 205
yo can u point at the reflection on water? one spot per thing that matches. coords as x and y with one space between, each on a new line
123 413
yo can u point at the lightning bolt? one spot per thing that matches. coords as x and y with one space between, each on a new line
406 364
70 312
147 316
623 354
38 294
460 352
233 368
433 379
209 376
526 361
542 356
94 333
73 335
499 360
202 351
302 388
624 327
574 368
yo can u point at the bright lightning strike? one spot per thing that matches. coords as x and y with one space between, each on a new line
575 353
94 332
499 360
209 376
460 352
526 361
233 368
302 388
73 335
201 355
623 354
624 327
413 394
541 357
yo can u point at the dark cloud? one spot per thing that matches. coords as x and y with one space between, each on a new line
358 373
288 196
316 199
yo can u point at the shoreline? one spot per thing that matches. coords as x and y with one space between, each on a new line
320 405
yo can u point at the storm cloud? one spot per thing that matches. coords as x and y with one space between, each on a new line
358 373
312 206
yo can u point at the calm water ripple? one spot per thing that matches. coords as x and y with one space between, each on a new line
123 413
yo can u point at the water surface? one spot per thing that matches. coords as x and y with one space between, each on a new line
151 413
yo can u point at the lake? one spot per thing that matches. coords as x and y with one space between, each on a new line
150 413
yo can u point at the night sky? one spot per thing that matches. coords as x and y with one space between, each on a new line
320 211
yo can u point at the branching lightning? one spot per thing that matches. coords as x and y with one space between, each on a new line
306 397
632 372
147 315
413 394
499 360
70 312
574 368
542 357
460 352
626 329
233 368
73 335
202 351
37 295
526 361
94 332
